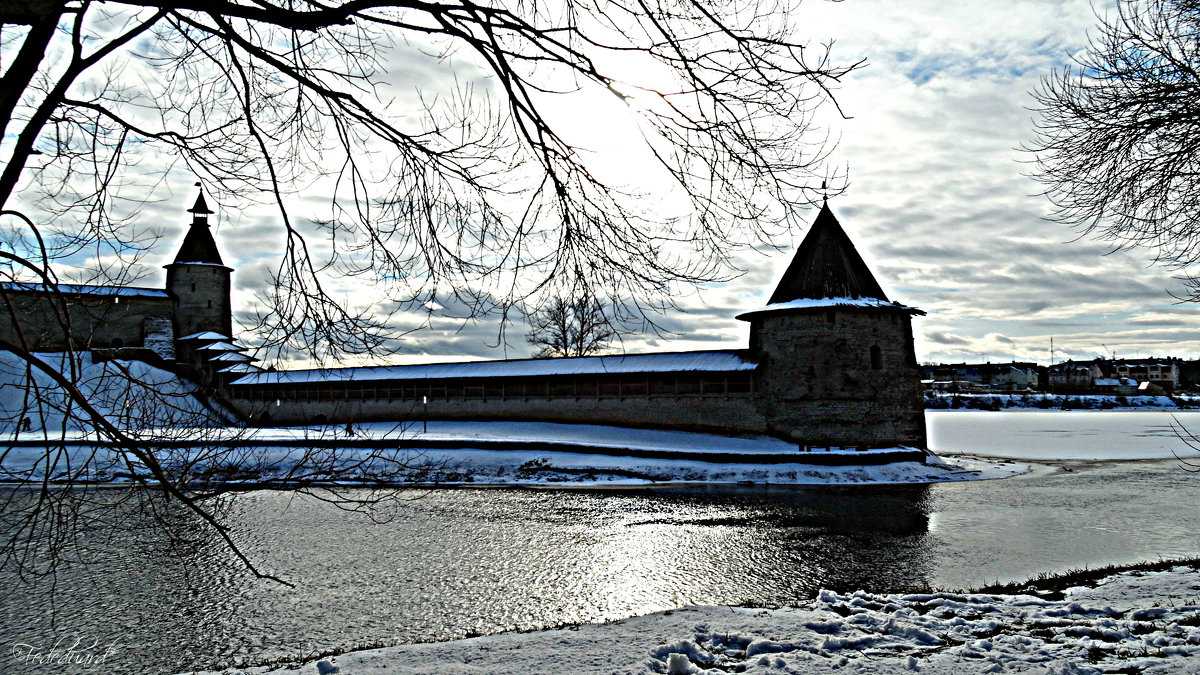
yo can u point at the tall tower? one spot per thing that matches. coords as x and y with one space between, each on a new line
836 357
199 282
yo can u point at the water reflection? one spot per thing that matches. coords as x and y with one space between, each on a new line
774 545
462 562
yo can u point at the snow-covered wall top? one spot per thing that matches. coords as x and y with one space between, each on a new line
207 336
712 361
818 303
86 289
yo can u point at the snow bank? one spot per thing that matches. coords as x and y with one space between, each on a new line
1043 401
595 435
131 394
505 467
1132 622
535 459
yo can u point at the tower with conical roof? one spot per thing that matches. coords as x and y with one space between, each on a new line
836 358
199 283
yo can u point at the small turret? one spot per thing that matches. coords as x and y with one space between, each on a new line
199 283
199 245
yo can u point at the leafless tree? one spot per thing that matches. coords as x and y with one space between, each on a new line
477 191
571 327
1118 145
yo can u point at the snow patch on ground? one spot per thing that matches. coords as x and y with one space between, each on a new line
1131 622
545 465
1051 402
470 467
595 435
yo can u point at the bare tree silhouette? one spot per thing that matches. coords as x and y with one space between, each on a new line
1118 145
477 192
577 326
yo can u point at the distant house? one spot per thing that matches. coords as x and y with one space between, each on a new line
1073 376
968 377
1163 373
1189 374
1015 377
1123 386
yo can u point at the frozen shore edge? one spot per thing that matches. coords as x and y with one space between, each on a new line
1139 620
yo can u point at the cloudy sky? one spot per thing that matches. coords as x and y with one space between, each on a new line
939 203
940 200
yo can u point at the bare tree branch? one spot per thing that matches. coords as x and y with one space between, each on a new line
1118 145
468 185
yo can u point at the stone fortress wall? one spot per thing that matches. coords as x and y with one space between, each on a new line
830 361
830 364
96 317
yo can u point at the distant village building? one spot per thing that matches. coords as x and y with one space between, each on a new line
1122 386
830 360
1073 376
979 377
1164 373
1124 376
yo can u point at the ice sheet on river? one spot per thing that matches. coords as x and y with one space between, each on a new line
1059 435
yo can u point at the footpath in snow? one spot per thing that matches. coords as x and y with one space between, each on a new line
1133 622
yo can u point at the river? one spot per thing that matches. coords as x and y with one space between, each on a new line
451 563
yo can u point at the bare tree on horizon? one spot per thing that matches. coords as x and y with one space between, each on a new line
568 327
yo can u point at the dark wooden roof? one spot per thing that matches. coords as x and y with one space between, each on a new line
199 245
201 206
827 266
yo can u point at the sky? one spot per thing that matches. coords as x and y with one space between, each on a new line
939 203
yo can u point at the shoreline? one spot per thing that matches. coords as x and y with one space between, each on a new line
1106 616
554 471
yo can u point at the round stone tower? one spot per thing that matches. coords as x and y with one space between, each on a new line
837 367
199 283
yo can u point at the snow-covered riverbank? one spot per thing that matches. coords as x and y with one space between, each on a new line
522 453
1047 401
1144 622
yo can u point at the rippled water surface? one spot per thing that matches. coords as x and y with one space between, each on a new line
459 562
